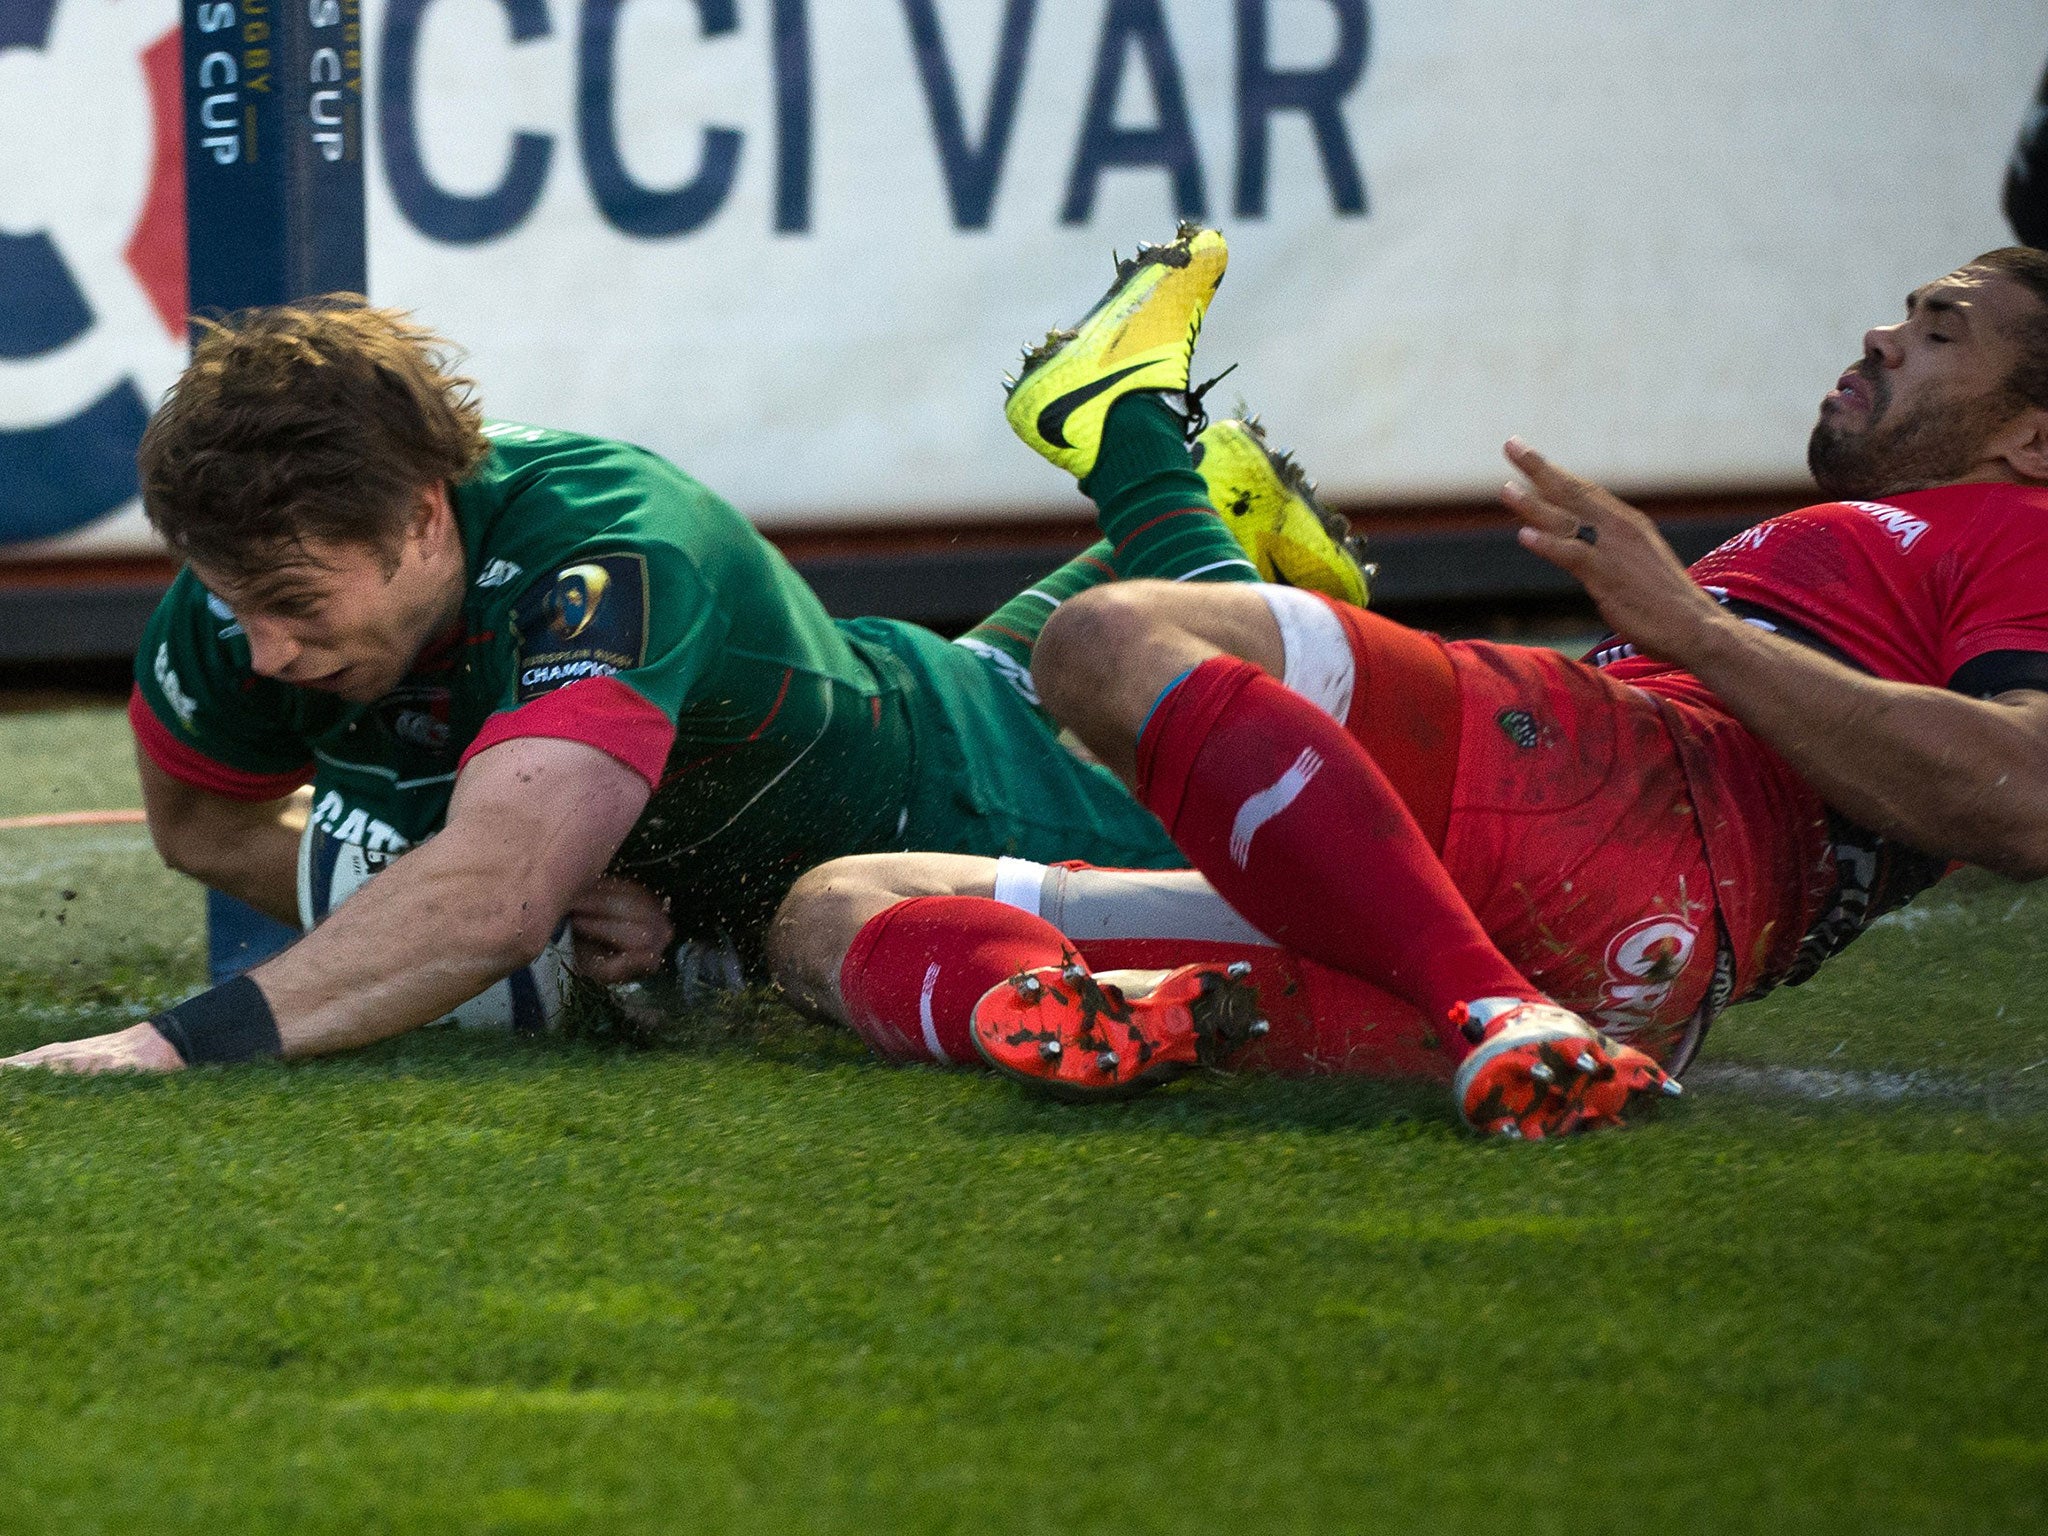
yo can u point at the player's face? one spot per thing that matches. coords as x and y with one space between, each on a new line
350 619
1928 394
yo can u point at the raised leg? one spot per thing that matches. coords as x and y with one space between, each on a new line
1300 829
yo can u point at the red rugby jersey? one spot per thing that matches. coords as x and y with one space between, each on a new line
1946 588
1915 588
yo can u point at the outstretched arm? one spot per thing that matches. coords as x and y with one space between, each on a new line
533 823
1953 776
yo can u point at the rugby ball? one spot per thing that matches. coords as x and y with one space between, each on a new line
526 1002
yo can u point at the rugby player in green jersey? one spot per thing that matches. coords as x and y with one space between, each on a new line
570 684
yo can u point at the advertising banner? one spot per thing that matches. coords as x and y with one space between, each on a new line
794 244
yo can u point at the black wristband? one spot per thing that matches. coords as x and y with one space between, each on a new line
232 1022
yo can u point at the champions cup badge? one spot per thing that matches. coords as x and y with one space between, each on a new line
574 602
590 621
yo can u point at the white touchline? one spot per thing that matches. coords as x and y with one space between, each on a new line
1821 1083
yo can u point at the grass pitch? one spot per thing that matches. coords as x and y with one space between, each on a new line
754 1282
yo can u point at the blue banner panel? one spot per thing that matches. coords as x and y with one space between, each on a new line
273 151
45 308
62 476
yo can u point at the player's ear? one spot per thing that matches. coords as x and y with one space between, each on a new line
433 516
2026 446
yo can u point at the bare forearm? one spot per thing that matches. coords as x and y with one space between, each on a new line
423 938
1949 775
1952 776
465 908
376 969
532 824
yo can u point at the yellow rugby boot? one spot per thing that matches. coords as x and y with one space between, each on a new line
1141 336
1271 507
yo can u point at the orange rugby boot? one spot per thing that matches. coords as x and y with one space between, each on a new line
1538 1070
1075 1035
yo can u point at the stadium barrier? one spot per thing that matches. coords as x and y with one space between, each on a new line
793 244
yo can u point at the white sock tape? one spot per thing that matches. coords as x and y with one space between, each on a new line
1018 884
1319 663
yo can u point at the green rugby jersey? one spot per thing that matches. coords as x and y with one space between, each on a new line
612 599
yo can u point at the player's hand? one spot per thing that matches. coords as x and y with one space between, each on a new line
1616 552
138 1049
621 929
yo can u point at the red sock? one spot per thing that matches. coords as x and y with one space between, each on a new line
1325 1022
1300 831
916 970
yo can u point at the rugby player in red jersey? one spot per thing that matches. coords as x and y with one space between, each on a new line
1572 864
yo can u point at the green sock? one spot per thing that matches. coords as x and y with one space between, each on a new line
1012 630
1152 505
1157 520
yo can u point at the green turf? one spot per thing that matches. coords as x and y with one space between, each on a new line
752 1282
92 920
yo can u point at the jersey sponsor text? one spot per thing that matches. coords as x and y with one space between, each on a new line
1897 521
174 691
356 826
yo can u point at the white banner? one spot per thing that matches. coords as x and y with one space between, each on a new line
793 244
